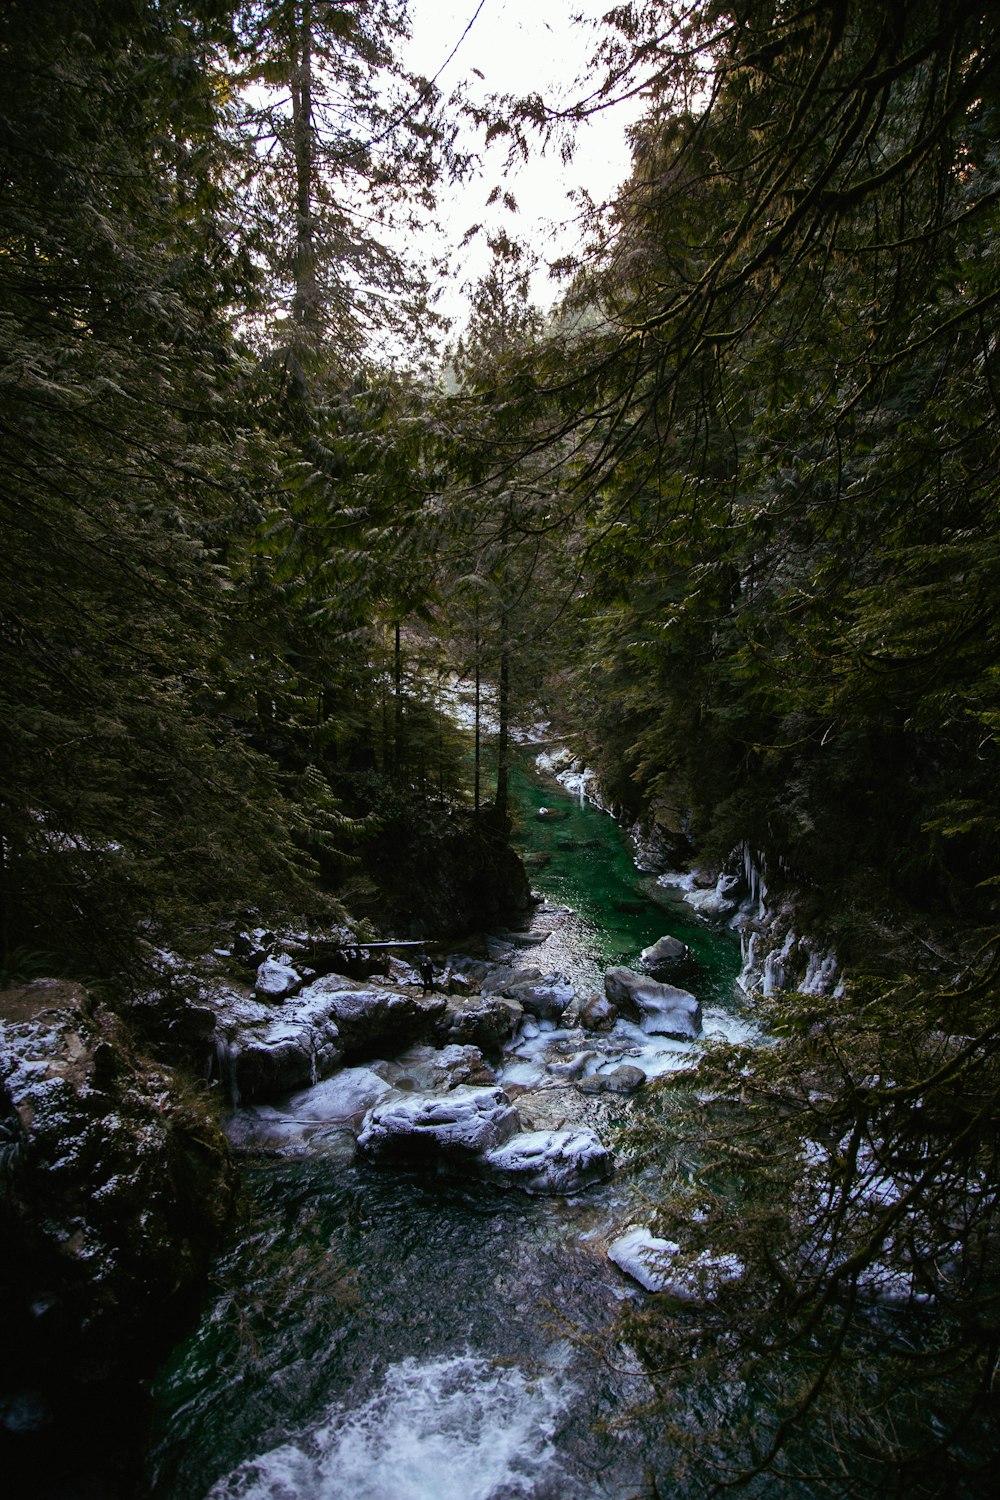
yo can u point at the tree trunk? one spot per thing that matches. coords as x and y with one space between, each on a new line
397 687
305 302
478 743
503 757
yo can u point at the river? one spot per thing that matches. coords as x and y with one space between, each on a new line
378 1334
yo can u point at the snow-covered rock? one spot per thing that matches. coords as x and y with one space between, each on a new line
455 1065
460 1124
372 1021
485 1021
311 1116
544 998
644 1257
624 1079
660 1009
597 1013
276 980
343 1099
263 1053
571 1067
664 952
550 1161
652 1262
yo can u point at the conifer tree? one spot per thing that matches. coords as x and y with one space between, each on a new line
125 794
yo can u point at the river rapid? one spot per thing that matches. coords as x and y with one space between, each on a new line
396 1334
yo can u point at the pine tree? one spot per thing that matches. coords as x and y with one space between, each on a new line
125 793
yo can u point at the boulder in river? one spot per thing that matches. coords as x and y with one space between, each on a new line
654 1263
484 1021
571 1067
660 1009
308 1120
544 998
624 1079
372 1022
598 1014
550 1161
664 953
264 1052
644 1257
455 1065
458 1125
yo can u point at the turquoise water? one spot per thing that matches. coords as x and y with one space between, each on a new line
581 859
376 1334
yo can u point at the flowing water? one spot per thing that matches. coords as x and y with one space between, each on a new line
377 1334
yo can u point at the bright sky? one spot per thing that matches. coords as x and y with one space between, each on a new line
520 47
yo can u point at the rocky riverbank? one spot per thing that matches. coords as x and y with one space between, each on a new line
117 1184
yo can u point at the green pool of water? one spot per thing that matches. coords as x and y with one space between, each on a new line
579 857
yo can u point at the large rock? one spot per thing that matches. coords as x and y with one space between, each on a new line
500 977
485 1021
644 1257
550 1161
624 1079
263 1053
117 1184
312 1119
343 1099
458 1125
454 1065
545 998
371 1022
664 953
571 1067
598 1014
276 979
660 1009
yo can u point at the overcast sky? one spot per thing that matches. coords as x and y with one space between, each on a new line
520 47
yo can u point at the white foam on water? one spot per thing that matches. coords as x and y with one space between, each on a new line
453 1428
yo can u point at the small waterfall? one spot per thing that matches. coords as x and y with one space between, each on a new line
226 1056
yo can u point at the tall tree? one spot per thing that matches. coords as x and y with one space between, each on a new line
494 515
125 795
345 150
793 523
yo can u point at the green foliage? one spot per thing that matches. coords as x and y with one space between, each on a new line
852 1169
343 149
125 795
786 430
793 559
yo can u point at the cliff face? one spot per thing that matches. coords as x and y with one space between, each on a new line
115 1187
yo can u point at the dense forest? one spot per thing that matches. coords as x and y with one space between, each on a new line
727 514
